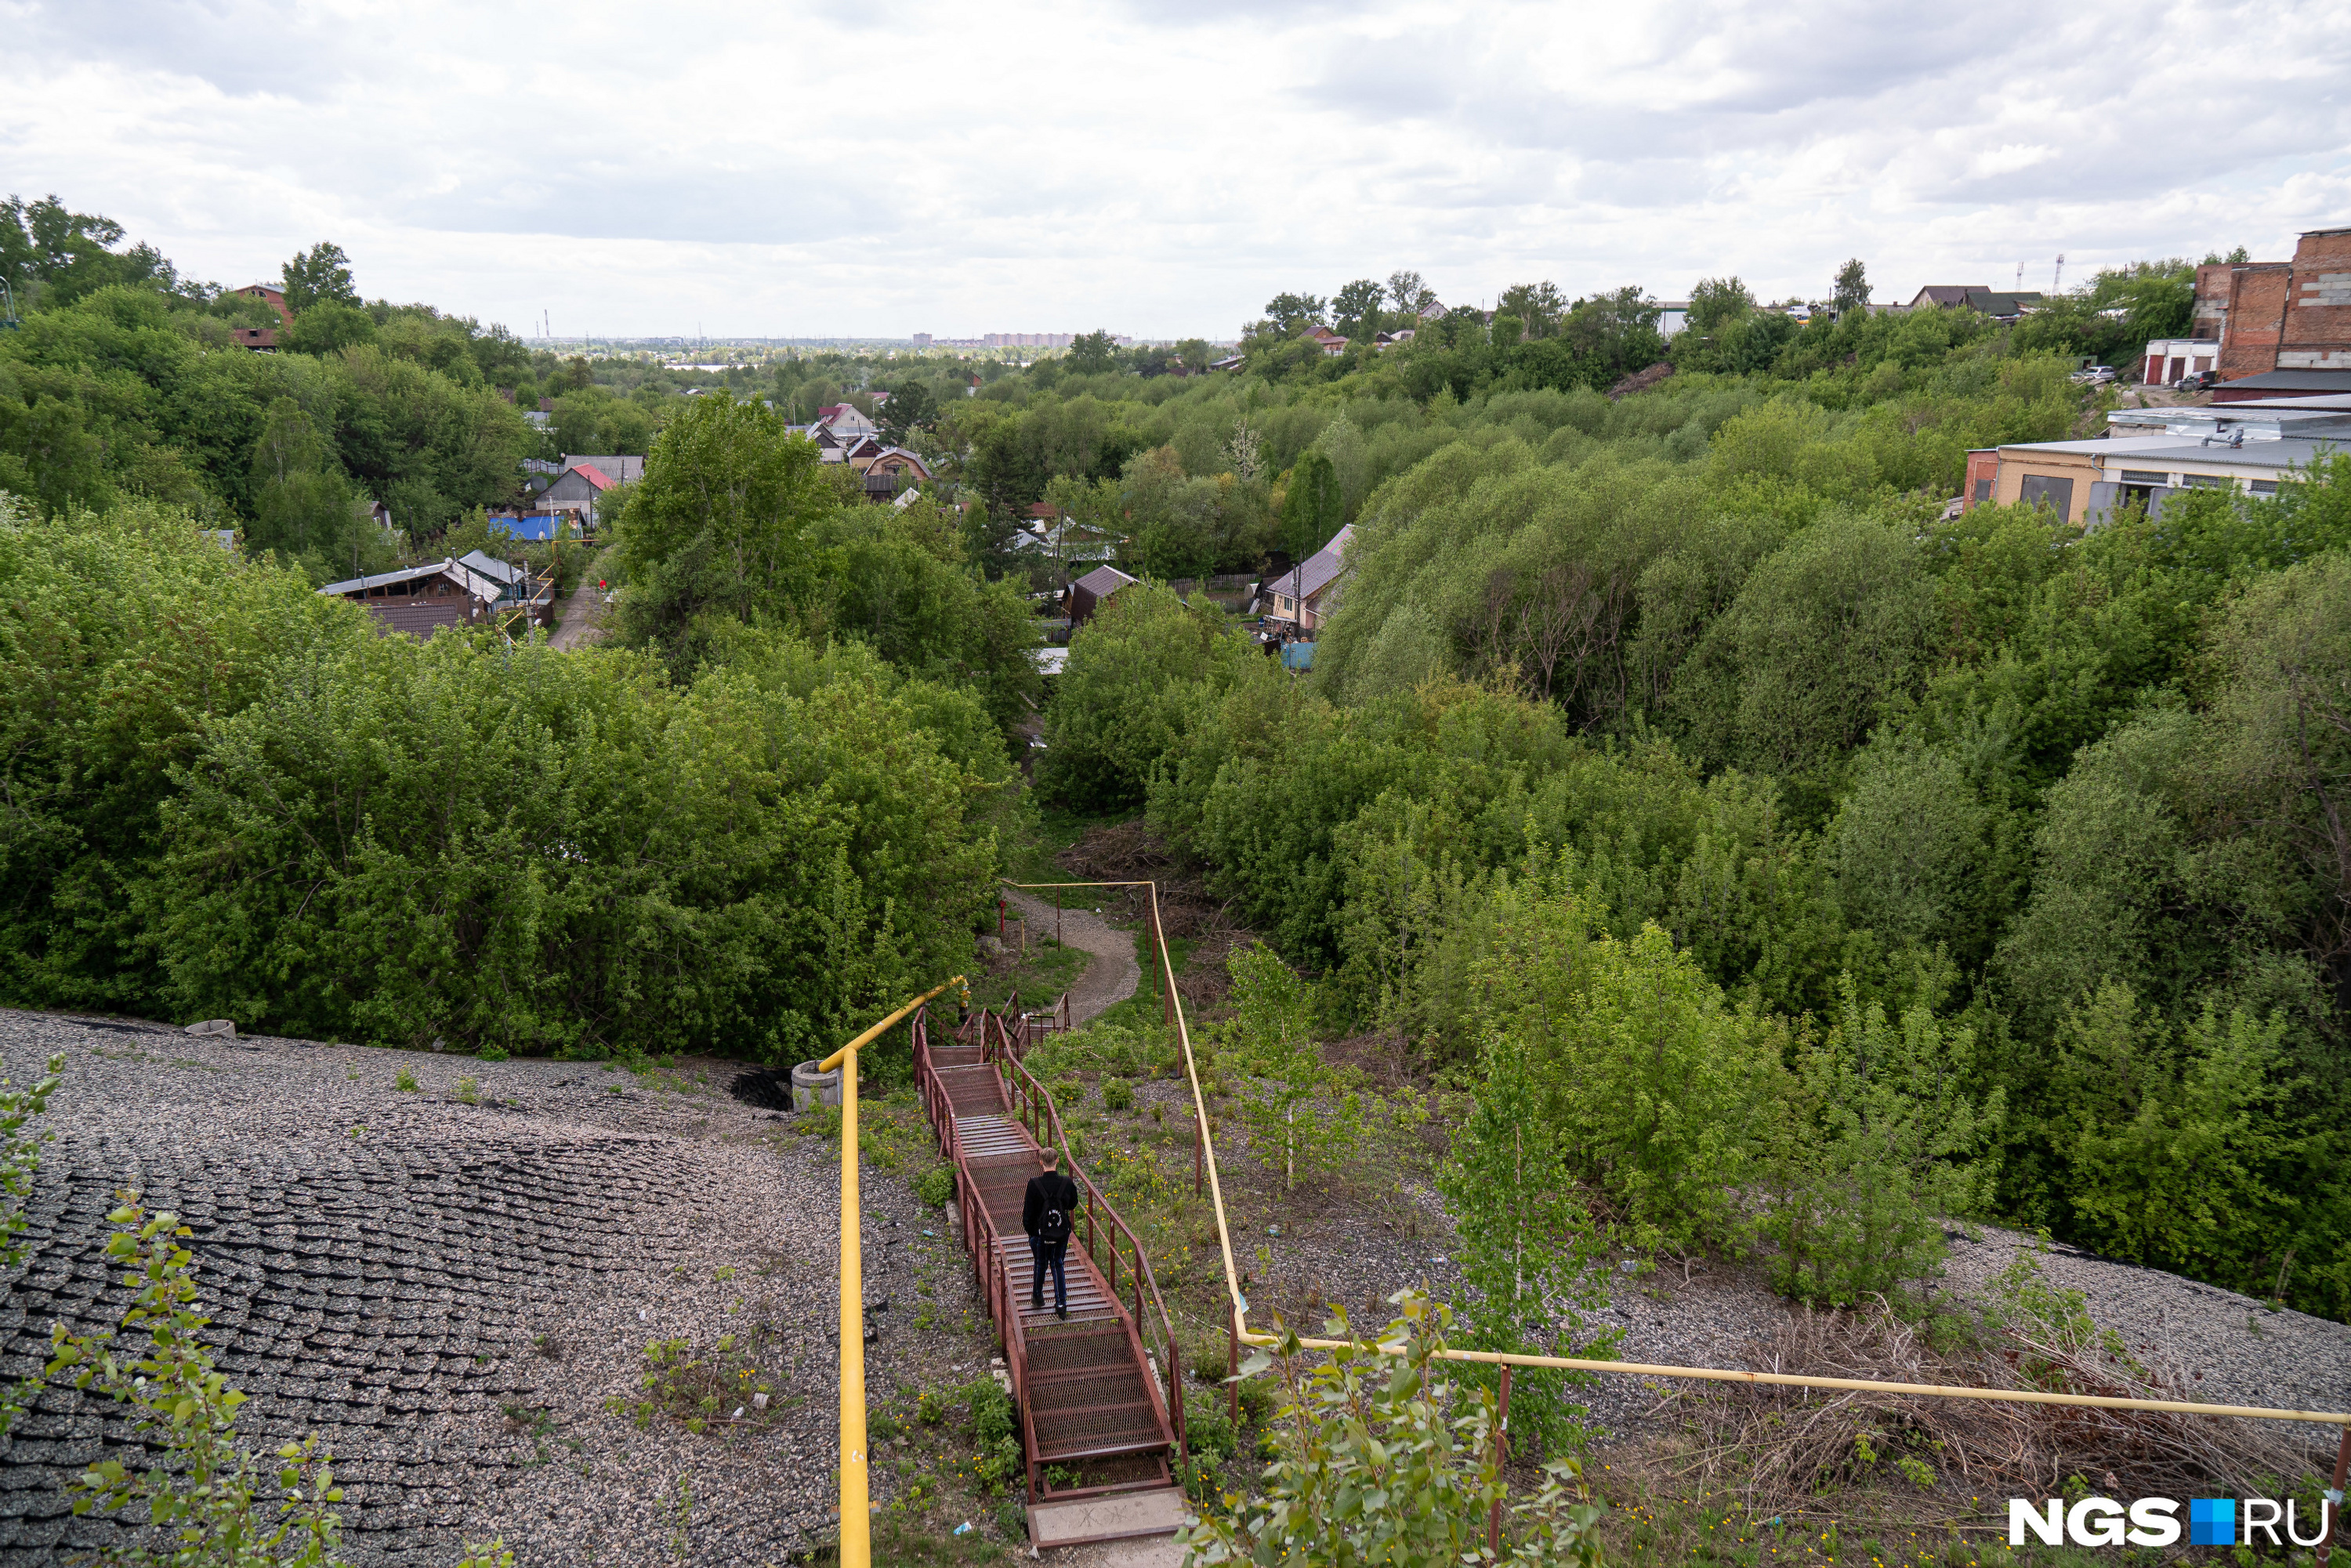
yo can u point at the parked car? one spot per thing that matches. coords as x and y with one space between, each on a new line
2094 375
2202 380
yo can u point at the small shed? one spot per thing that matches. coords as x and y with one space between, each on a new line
421 600
1093 591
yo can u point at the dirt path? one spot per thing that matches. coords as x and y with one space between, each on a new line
1112 976
581 619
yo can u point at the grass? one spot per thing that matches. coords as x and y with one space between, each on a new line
1144 1009
1033 860
1051 969
895 1544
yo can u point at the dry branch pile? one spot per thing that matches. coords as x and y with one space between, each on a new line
1131 852
1781 1445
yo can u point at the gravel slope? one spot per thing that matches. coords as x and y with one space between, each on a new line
449 1296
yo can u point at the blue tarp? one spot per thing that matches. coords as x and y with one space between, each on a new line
544 525
1298 655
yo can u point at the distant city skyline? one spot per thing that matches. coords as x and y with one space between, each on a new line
598 172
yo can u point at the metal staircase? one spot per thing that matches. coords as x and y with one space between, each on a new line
1101 1395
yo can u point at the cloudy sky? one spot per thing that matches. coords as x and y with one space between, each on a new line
1159 168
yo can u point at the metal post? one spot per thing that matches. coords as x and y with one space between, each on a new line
1166 965
2333 1505
1057 916
1233 1368
1501 1435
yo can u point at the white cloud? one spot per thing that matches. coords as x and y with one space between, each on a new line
1156 169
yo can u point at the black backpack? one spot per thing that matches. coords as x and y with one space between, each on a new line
1054 1224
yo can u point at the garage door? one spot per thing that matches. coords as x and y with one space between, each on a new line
2057 495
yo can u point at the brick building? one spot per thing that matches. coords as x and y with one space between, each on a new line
2280 315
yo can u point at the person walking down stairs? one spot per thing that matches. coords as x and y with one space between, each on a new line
1047 1213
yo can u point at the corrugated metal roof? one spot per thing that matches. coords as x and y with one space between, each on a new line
480 587
1319 569
2310 380
490 566
1103 581
614 466
2277 455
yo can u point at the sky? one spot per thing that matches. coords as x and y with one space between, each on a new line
883 168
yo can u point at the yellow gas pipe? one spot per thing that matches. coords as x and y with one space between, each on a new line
856 1525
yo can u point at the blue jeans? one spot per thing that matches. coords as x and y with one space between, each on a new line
1048 1255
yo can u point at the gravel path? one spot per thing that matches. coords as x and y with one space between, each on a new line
1112 975
448 1293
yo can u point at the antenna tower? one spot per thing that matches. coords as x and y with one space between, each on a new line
2057 280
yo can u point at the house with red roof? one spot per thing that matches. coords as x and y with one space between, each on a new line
1332 343
845 421
586 484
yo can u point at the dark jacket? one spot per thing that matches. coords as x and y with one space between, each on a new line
1048 1194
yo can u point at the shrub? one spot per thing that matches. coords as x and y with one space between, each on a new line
1118 1094
1374 1467
493 1053
405 1082
935 1187
996 1431
1208 1432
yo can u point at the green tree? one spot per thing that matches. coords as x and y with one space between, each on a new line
1315 508
1823 635
322 272
1356 308
720 524
303 505
328 324
1658 1087
910 408
1409 293
1376 1470
1092 353
1301 1115
1716 303
2190 1156
1851 290
1527 1247
1538 305
1293 313
1881 1141
1141 673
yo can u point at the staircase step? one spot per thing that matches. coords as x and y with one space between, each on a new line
1121 1516
1090 1393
